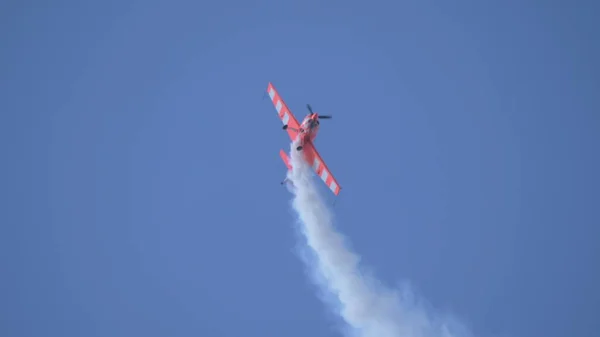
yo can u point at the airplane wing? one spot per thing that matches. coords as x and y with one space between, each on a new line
314 159
284 113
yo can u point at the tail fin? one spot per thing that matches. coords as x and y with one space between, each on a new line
285 159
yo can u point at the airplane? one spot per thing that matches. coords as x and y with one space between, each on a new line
305 132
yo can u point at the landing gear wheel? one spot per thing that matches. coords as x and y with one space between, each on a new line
285 127
299 148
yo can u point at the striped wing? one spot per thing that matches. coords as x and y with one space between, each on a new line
284 113
318 164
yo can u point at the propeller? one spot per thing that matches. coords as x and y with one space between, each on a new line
319 116
309 109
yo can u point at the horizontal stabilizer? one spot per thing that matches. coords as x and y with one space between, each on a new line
285 158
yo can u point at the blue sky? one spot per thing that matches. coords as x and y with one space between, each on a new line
141 172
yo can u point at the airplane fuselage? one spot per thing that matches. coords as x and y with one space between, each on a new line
309 128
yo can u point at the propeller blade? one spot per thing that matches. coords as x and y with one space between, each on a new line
325 116
309 109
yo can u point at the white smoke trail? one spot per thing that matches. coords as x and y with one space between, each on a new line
368 308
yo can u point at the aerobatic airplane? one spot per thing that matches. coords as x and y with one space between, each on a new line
306 132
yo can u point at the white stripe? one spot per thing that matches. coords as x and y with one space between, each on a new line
316 164
333 186
286 118
278 106
272 93
324 175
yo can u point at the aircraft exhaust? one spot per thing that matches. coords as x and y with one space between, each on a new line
367 308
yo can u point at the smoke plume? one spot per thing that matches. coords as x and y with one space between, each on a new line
367 308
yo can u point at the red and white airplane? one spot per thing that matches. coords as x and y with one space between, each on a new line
306 132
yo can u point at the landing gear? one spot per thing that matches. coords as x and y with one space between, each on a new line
299 148
285 127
